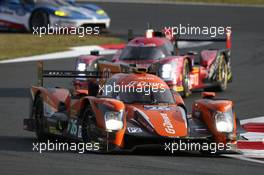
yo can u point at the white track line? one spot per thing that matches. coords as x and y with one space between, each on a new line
242 157
74 52
252 153
85 50
177 3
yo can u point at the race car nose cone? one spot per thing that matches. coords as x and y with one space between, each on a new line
167 123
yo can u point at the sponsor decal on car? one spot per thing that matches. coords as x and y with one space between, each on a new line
134 130
72 127
167 124
160 108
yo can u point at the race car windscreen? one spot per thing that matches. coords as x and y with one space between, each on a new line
143 53
163 96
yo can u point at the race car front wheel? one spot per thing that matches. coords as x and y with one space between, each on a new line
38 115
87 124
39 19
90 132
186 79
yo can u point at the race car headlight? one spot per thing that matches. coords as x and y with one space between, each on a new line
166 71
61 13
113 120
100 12
224 121
81 67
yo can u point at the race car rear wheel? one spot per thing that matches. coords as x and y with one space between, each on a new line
186 79
39 19
222 74
38 115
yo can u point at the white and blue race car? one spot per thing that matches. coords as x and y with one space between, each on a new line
29 14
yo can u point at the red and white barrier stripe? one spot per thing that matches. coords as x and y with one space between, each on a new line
254 145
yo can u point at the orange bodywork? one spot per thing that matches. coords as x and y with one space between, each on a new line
166 123
208 108
115 105
164 120
52 96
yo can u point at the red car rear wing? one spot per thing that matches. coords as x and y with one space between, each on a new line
227 40
175 38
169 34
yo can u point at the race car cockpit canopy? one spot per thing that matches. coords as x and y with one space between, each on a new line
147 49
138 88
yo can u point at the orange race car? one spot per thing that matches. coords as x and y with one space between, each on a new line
127 111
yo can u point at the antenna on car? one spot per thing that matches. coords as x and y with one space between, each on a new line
148 25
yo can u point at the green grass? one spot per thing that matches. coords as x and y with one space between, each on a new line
247 2
20 45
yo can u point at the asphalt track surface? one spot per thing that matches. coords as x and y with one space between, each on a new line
16 156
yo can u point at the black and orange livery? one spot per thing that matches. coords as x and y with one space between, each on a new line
127 120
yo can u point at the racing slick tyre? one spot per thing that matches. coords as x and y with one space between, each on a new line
221 76
90 132
186 79
222 73
87 116
38 115
39 19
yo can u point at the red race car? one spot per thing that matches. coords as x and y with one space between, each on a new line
211 69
